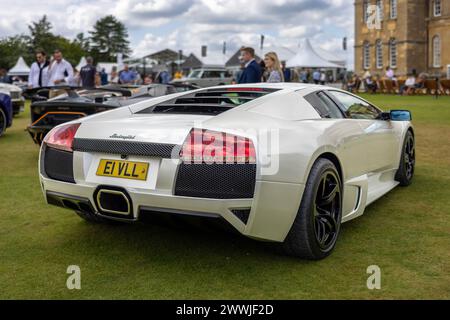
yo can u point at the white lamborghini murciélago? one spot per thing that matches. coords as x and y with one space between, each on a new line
285 163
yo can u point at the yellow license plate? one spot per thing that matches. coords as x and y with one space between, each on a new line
123 169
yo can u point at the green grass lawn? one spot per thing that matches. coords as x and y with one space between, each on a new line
406 233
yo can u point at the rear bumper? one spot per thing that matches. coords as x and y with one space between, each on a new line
271 212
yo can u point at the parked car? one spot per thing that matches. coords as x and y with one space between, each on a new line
207 77
6 113
15 92
285 163
72 103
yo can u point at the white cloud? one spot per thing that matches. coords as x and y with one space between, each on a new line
299 31
189 24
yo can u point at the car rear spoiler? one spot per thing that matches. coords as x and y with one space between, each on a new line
72 91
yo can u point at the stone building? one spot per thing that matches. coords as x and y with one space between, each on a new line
406 35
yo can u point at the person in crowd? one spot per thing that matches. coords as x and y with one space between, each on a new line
60 71
252 72
178 75
304 76
75 80
264 71
370 84
273 67
148 79
420 81
366 76
88 74
164 77
316 76
103 77
4 78
409 86
323 77
287 74
354 83
38 76
240 72
127 76
139 80
389 73
114 76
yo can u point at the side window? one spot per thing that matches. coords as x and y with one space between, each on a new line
324 105
215 74
355 108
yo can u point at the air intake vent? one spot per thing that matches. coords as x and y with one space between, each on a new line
242 214
216 181
209 101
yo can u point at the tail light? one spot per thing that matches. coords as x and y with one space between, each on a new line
206 146
62 137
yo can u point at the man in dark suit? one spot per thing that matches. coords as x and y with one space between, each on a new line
252 71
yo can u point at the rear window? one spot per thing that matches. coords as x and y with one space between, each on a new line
209 102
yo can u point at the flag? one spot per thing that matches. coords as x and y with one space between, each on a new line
344 43
262 41
224 50
204 51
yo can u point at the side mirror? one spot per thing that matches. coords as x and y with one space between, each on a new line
400 115
396 115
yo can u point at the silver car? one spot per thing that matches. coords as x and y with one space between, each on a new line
207 77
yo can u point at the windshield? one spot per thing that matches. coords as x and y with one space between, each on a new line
195 74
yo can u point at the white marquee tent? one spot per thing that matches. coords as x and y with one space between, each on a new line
81 64
308 58
20 69
335 57
283 53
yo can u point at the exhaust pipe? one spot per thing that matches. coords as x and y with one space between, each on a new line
113 202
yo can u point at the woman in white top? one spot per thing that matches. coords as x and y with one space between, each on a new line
273 66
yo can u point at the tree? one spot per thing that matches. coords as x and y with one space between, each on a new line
71 50
12 48
109 38
82 41
41 35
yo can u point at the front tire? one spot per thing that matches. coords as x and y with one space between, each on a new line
405 172
315 230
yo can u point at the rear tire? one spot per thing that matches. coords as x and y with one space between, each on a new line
405 172
3 122
315 230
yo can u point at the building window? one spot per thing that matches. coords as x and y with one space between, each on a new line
393 53
366 55
436 52
380 10
365 10
379 54
437 8
393 9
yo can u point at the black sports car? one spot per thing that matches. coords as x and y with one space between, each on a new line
52 106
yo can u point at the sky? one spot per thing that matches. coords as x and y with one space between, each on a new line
188 24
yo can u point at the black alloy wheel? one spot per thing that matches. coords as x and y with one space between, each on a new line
316 228
327 210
